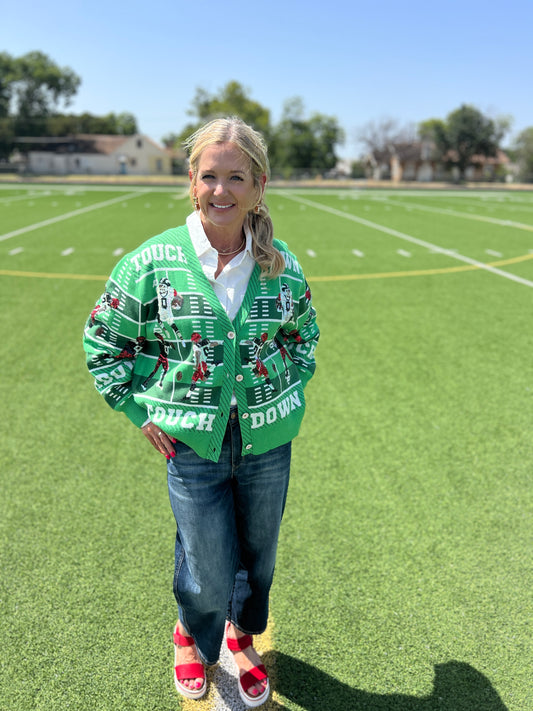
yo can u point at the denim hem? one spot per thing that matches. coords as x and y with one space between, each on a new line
243 630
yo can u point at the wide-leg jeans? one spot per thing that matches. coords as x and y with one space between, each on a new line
228 514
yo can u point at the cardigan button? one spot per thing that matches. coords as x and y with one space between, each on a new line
245 415
231 334
248 446
239 378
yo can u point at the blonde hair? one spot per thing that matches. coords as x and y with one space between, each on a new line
252 144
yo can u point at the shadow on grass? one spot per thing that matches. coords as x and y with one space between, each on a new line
457 687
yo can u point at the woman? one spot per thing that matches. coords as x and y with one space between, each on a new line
205 338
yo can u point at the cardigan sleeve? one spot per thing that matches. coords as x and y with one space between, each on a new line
114 335
301 335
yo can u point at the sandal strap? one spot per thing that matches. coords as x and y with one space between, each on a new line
190 671
237 644
182 640
252 677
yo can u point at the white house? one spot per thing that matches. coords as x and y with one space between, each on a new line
418 161
86 154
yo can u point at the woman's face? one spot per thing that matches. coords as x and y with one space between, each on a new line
224 187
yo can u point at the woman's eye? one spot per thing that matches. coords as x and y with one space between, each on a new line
208 176
236 177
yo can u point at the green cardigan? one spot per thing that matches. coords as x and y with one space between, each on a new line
161 346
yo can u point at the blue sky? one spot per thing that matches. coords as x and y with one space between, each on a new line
358 61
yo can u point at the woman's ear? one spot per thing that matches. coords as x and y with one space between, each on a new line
262 183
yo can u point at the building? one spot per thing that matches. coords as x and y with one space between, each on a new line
98 154
418 161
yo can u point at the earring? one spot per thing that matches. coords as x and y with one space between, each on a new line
256 209
196 203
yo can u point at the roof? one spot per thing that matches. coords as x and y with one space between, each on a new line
78 143
101 143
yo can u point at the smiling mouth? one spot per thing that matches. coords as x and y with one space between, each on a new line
221 207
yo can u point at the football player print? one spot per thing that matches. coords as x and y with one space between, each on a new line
259 345
285 304
107 303
168 300
200 348
162 362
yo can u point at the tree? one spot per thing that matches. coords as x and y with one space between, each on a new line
357 170
379 135
123 124
232 100
6 125
465 133
327 135
295 144
126 124
435 130
38 86
31 89
524 153
170 140
304 146
7 77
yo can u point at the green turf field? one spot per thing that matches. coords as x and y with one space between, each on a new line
404 579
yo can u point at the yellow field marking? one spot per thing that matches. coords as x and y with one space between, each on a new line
512 260
338 277
421 272
390 275
409 238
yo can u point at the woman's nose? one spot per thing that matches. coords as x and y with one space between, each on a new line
219 188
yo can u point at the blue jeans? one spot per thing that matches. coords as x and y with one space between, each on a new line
228 514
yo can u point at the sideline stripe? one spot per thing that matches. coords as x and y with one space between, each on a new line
222 692
338 277
409 238
68 215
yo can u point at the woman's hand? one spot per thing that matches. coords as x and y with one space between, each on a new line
159 439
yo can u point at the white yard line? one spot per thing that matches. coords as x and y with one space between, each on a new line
27 196
68 215
409 238
486 202
465 215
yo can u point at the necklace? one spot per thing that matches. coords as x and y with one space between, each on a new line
225 254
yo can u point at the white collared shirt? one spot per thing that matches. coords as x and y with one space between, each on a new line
230 285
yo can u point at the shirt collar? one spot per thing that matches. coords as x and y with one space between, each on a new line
200 241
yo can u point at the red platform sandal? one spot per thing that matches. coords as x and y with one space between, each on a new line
188 671
252 677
